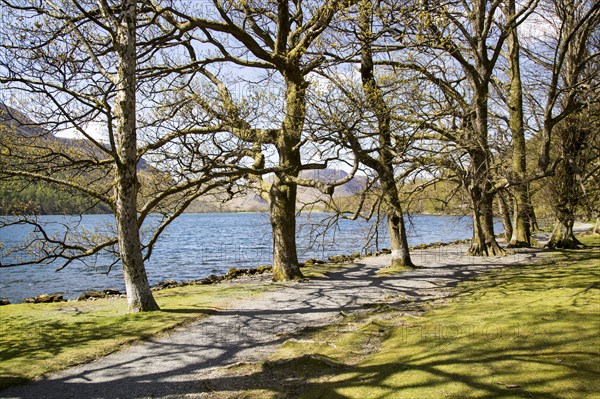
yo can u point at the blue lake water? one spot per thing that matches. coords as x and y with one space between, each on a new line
197 245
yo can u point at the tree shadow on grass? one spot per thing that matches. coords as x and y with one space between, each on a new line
41 341
198 311
237 333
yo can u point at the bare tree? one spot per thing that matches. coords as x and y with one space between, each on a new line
569 187
276 38
362 117
566 56
458 47
79 64
520 235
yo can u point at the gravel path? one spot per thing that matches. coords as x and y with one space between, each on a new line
177 364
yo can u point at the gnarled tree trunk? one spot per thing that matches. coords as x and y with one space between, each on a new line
484 240
283 224
562 235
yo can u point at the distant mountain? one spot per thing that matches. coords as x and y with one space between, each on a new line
23 126
250 201
40 197
215 203
18 122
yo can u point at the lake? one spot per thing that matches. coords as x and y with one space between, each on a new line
197 245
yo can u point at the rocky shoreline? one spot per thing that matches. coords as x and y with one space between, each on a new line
232 274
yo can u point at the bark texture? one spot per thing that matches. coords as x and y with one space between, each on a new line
283 192
521 233
504 205
479 183
562 234
384 163
139 295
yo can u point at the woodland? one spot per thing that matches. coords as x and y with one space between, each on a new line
141 107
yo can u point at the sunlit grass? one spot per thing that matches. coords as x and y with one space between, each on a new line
522 331
36 339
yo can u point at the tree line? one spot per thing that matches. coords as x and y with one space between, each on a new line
497 97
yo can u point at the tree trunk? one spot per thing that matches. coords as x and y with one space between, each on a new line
597 226
283 192
562 235
479 188
283 223
484 241
521 235
384 164
533 222
505 213
476 123
398 241
396 226
139 295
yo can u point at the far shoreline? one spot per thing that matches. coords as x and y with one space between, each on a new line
73 296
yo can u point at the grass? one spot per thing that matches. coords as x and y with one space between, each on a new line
37 339
524 331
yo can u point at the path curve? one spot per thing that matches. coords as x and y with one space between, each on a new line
174 365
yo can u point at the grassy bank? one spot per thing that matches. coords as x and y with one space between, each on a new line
37 339
523 331
40 338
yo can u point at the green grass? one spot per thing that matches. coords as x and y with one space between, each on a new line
524 331
36 339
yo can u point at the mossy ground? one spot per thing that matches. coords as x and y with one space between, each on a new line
521 331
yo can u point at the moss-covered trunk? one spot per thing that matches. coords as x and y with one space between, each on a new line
562 235
480 191
521 234
283 224
139 295
504 203
479 184
484 241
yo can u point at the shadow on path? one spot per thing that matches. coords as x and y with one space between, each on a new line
174 364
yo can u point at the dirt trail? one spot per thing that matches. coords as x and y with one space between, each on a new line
177 365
